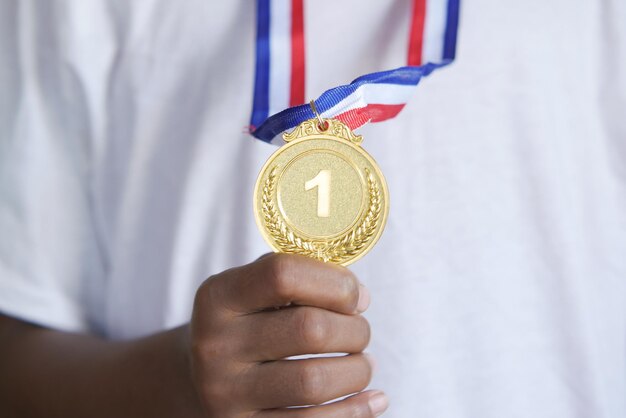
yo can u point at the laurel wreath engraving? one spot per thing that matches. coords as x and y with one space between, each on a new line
339 249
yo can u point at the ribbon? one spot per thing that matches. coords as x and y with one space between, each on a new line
278 103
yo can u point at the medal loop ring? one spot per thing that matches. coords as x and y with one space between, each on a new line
321 123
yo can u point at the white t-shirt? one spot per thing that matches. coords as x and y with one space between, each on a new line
499 285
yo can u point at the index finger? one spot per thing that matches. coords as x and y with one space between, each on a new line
279 280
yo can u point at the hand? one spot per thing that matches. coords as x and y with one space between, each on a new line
247 320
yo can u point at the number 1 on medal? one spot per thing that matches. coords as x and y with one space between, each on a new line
322 182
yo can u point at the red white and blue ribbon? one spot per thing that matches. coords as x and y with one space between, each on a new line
279 96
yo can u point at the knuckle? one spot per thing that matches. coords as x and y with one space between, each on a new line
206 292
201 293
310 383
206 325
280 274
312 329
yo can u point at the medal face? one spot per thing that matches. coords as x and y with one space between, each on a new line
321 195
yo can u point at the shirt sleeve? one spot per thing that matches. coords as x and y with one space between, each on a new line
48 246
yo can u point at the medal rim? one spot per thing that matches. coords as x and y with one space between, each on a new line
355 146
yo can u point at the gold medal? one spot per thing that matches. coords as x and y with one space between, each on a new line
321 195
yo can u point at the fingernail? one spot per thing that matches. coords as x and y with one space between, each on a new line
364 299
378 403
